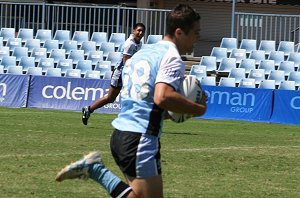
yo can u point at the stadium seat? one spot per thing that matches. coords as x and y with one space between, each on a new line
107 75
43 35
76 55
210 62
99 37
257 55
95 56
247 64
26 63
117 38
53 72
84 66
50 45
25 34
106 48
87 47
32 44
198 70
69 46
247 83
8 61
7 33
4 51
64 64
267 84
61 36
267 65
103 66
73 73
115 58
268 46
1 41
153 38
294 76
14 70
35 71
208 80
257 74
295 57
20 52
12 43
287 67
227 82
248 44
80 36
46 63
287 47
238 54
237 74
39 53
58 54
226 65
287 85
92 74
219 53
277 56
229 44
277 75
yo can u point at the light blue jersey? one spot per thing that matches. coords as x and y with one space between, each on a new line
160 62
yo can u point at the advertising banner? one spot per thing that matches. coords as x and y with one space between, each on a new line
69 93
286 107
13 90
238 103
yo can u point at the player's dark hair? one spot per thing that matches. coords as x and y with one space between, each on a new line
183 17
139 25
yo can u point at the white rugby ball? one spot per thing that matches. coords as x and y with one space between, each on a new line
191 89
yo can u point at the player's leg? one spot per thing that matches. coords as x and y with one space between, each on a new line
138 157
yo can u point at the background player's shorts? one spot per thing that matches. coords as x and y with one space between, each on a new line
136 154
116 77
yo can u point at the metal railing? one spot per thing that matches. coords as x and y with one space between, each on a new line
77 17
267 27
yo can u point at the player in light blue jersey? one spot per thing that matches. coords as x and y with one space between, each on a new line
151 79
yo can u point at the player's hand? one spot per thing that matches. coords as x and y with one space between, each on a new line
86 113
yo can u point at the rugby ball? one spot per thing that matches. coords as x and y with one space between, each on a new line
191 89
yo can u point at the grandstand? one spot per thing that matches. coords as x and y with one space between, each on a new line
62 43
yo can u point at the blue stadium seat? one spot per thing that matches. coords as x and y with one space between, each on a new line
25 34
32 44
210 62
276 75
229 44
247 64
1 69
57 55
257 55
115 58
258 75
219 53
12 43
14 70
267 84
238 54
87 47
227 82
50 45
209 80
1 41
268 46
84 66
107 75
99 37
20 52
73 73
76 55
117 38
4 51
198 70
226 65
267 65
287 67
69 46
53 72
287 47
46 63
64 64
95 56
7 33
92 74
287 85
80 36
61 36
103 66
35 71
153 38
294 76
247 83
106 48
295 57
277 56
237 74
8 61
249 45
39 53
43 35
26 63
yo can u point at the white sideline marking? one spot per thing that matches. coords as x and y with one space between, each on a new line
172 150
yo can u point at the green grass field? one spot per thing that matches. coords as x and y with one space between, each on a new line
200 158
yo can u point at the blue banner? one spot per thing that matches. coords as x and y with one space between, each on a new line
69 93
13 90
286 107
238 103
